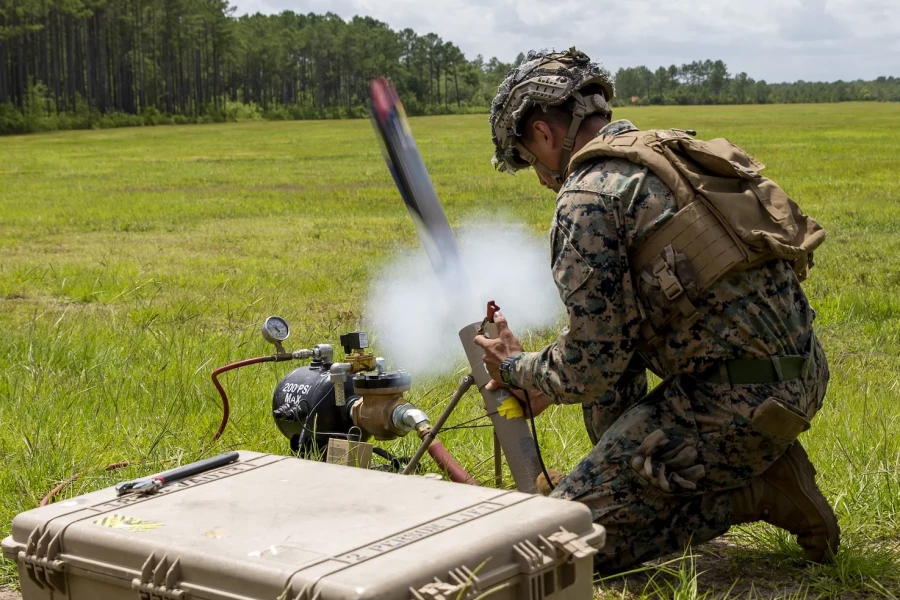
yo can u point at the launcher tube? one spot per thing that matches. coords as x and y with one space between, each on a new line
506 414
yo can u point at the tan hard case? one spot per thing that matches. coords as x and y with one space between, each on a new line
272 527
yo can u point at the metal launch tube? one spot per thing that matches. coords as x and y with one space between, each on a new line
506 414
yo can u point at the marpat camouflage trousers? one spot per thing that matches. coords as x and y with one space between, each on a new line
701 432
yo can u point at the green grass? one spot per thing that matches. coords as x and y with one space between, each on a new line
134 261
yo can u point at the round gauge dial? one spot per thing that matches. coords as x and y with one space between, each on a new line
275 330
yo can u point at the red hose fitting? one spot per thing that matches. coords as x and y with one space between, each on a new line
446 462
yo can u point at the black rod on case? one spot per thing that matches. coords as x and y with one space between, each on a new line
151 484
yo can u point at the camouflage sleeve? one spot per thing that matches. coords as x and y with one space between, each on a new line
590 267
604 410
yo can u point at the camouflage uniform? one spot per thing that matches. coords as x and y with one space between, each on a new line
605 208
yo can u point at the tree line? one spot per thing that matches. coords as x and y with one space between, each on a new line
101 63
84 63
709 82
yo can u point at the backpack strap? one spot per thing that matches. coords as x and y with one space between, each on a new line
643 148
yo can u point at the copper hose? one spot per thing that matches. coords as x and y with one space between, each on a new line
225 413
112 467
215 380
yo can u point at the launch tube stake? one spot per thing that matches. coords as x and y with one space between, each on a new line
498 463
464 386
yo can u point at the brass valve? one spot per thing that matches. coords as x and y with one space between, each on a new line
382 396
381 410
354 345
360 361
373 414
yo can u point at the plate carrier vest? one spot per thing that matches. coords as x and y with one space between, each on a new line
730 218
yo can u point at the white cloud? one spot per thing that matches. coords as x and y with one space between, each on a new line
776 40
811 23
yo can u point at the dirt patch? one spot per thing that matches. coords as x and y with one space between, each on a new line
724 570
8 594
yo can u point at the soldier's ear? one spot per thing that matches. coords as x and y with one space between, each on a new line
543 134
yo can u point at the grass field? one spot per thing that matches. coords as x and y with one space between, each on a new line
134 261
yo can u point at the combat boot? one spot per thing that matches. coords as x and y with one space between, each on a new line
786 495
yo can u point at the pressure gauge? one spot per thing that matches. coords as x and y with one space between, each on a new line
275 330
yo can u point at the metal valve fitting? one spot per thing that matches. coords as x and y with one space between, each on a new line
338 375
320 352
323 352
407 417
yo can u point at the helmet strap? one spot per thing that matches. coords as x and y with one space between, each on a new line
581 111
546 171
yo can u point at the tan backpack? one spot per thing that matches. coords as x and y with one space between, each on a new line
730 218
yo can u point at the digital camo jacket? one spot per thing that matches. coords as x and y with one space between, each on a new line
605 208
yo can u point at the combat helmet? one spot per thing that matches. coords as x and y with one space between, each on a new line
546 79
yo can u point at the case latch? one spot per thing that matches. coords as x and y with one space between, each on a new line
463 585
542 569
548 566
159 580
572 546
437 590
41 564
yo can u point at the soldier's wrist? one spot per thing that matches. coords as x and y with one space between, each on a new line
508 370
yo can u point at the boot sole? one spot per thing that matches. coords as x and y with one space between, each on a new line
805 477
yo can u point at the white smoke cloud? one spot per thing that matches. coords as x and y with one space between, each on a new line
417 328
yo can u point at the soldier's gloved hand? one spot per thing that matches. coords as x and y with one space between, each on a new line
495 350
668 464
543 487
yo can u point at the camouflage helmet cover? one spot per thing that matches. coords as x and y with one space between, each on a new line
544 79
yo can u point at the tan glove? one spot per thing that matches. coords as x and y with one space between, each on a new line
545 488
668 464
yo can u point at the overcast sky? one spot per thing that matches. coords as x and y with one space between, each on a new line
775 40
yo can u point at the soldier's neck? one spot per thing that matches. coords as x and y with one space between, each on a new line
588 131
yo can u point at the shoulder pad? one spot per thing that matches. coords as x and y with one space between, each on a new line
616 177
